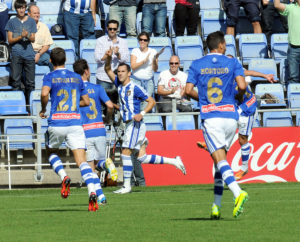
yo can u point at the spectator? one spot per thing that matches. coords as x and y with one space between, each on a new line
124 10
4 19
171 85
292 11
20 34
269 12
144 62
154 14
79 17
120 54
232 8
186 16
43 39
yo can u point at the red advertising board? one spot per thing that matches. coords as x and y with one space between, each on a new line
274 157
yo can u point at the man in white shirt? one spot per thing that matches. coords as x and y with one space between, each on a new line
171 85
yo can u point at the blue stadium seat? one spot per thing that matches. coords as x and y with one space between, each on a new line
158 43
211 21
40 72
256 123
9 4
35 98
69 48
209 4
87 50
230 45
49 6
293 95
19 129
252 46
153 122
275 89
93 79
5 72
52 19
279 46
188 48
183 122
277 119
12 103
132 43
298 118
93 68
266 66
186 66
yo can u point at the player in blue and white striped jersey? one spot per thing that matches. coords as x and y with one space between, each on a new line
131 96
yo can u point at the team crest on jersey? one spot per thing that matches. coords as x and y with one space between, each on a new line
128 93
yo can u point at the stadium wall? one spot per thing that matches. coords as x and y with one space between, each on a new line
274 157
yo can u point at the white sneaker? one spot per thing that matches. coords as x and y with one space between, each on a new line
123 190
178 163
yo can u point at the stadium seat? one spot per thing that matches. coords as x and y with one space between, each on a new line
183 122
40 72
49 6
5 73
266 66
19 129
69 48
298 118
52 19
293 95
256 123
87 50
132 43
211 21
252 46
188 48
12 103
279 46
35 99
158 43
277 119
230 45
93 79
210 4
153 122
276 90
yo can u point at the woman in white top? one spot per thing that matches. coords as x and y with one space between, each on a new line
144 62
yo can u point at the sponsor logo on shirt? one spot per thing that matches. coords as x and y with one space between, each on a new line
251 101
212 107
98 125
58 116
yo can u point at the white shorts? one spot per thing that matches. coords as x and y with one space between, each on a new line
134 135
73 135
245 124
218 133
96 147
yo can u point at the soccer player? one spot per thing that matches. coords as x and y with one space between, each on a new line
94 127
67 93
214 76
131 96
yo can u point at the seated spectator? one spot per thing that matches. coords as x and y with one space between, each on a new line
186 15
269 12
4 19
232 9
20 34
79 17
171 85
124 10
154 15
43 39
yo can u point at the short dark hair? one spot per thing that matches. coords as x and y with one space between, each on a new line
144 33
214 39
20 4
125 64
112 21
58 56
80 66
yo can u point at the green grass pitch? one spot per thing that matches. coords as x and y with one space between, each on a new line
171 213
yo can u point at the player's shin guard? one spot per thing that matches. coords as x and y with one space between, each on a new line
98 187
101 164
127 169
87 175
228 177
151 159
218 188
57 166
245 150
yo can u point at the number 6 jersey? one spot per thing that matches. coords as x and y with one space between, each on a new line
66 89
214 76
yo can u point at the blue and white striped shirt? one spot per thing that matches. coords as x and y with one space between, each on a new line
131 96
77 6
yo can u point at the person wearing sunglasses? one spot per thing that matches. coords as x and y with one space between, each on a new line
171 85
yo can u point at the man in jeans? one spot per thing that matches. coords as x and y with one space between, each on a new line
154 14
20 34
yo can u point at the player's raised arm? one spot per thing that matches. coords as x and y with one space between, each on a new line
107 66
280 6
44 100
